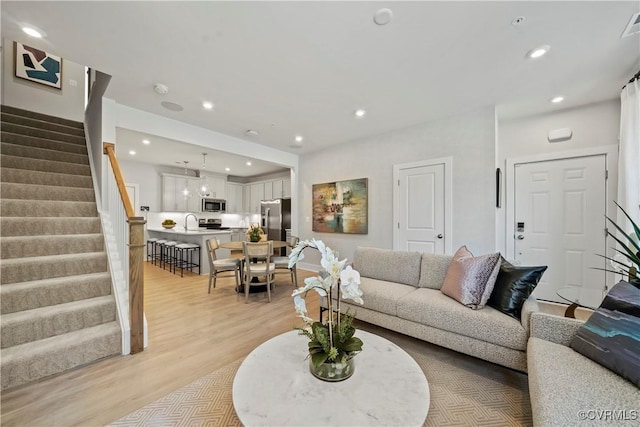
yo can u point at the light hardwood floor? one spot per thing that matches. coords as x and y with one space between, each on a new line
191 333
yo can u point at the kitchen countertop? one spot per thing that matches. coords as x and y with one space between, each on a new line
190 232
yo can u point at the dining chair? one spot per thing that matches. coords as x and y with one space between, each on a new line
217 266
254 252
282 263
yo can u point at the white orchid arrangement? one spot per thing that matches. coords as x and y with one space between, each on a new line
333 340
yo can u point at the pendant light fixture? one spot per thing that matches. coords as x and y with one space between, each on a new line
203 185
185 191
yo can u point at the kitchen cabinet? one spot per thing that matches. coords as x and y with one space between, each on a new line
256 192
286 188
218 187
173 198
235 198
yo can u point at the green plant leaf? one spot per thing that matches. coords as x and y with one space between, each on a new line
635 226
629 238
319 358
352 344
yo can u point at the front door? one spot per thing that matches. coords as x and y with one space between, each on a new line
420 218
560 222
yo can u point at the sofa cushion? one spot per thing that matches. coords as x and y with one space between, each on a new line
385 264
383 296
513 286
433 269
470 279
567 388
611 335
433 308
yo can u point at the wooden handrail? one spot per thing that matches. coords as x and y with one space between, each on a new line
136 256
110 151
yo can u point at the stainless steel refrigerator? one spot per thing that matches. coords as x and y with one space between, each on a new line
276 219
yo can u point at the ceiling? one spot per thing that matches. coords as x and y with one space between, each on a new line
302 68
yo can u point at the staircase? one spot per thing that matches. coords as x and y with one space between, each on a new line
56 307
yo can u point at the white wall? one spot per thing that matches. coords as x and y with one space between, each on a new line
67 102
469 139
593 125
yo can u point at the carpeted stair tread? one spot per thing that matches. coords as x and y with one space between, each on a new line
40 323
11 190
23 176
16 162
41 124
40 116
40 133
34 360
35 246
31 141
47 208
41 293
43 153
48 226
47 267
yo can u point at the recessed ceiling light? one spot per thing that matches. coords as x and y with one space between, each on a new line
539 51
557 99
32 32
146 142
251 132
360 112
248 163
227 169
299 138
207 105
383 16
132 152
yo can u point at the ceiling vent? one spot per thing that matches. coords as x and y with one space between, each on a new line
633 27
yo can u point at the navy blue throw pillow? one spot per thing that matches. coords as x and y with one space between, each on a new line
611 336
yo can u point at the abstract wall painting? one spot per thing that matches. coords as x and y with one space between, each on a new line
341 207
38 66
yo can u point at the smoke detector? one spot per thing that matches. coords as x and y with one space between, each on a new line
161 89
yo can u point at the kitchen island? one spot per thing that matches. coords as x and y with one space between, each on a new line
179 234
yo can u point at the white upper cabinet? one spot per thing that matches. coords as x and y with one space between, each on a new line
235 200
256 196
286 188
173 197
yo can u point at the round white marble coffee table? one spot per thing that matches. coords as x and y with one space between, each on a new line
273 387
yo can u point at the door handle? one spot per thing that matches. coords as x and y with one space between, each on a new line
439 236
520 237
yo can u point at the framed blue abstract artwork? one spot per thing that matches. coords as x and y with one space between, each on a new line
38 66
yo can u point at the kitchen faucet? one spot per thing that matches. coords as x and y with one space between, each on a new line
187 217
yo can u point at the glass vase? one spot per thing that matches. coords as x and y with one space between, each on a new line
332 371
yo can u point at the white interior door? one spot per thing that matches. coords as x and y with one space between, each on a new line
421 208
559 220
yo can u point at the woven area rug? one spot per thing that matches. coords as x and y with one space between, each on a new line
464 392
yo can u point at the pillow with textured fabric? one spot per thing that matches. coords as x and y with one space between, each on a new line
611 335
470 279
513 286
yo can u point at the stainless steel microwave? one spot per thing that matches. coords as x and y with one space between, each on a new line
214 205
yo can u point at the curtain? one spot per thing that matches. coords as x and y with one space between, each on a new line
629 155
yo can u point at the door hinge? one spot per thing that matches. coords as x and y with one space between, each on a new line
606 174
398 183
606 231
398 225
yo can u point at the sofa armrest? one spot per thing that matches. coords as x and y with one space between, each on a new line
559 330
530 306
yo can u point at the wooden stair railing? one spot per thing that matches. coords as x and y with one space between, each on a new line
136 256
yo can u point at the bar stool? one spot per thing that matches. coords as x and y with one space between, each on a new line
186 257
158 251
151 248
169 255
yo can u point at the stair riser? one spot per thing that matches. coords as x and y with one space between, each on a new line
41 124
35 365
33 329
48 226
30 141
49 245
44 165
49 179
43 154
39 133
47 208
39 116
45 192
31 295
37 270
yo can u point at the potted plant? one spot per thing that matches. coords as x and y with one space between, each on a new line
255 233
627 260
332 344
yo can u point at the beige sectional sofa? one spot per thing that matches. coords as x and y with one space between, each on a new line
402 293
569 389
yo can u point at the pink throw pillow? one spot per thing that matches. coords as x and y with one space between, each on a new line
470 279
